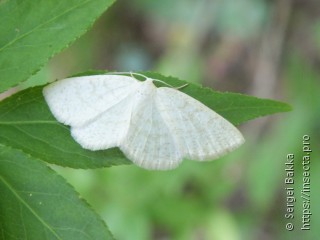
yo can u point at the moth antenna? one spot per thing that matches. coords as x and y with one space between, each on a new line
141 75
131 73
157 80
183 86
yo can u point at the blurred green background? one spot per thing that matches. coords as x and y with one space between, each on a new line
268 49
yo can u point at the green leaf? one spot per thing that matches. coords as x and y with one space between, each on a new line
235 107
36 203
31 32
27 124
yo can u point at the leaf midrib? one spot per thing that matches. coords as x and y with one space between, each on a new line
15 193
41 25
251 107
28 122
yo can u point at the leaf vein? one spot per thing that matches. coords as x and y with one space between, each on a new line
15 193
41 25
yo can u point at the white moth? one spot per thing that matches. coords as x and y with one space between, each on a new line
154 127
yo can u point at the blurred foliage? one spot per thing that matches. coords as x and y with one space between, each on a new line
216 43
